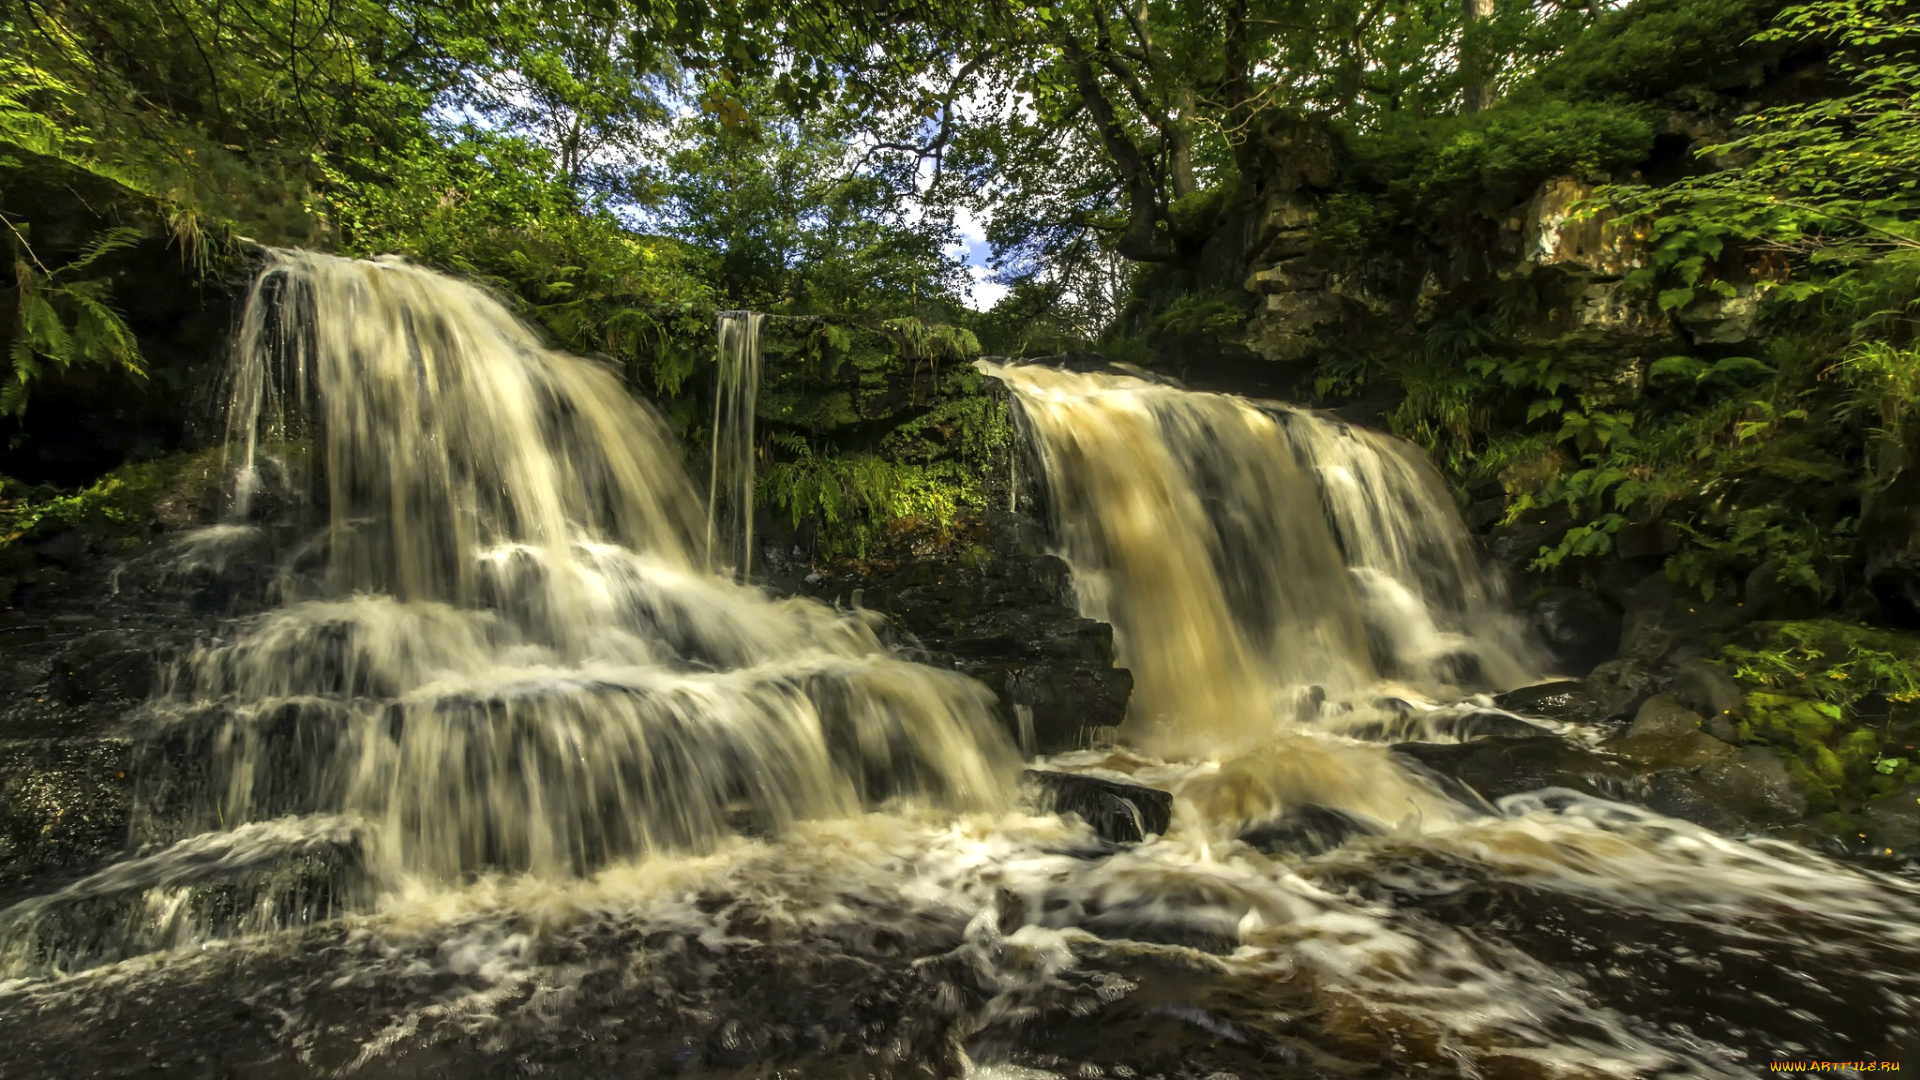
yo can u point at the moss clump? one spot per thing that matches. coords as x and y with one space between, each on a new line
1841 701
121 505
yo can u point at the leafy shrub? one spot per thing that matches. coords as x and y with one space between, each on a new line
1491 160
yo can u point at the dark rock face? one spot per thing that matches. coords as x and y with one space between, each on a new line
1007 619
63 802
86 419
1890 553
1580 629
1307 830
1121 812
96 623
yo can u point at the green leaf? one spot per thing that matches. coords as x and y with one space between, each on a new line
1671 299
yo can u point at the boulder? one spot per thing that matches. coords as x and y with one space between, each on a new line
1566 700
1620 686
1119 811
1736 792
1666 735
1893 822
1706 689
1663 717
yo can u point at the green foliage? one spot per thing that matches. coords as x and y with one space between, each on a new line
1211 315
1650 47
594 285
921 479
916 340
120 504
786 221
1489 161
855 500
1842 701
1830 181
1756 464
1882 382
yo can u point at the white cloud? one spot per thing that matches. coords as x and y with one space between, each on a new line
984 294
974 251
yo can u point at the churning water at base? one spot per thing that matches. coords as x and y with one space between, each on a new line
506 783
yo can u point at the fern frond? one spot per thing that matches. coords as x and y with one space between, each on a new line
108 242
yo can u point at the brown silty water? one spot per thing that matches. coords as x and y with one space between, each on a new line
516 778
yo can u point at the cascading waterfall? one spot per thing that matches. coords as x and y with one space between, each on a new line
511 656
592 806
1257 561
730 488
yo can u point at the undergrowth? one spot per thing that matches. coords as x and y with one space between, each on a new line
1841 700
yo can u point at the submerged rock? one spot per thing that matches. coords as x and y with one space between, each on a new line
1122 812
1566 700
1496 767
1307 829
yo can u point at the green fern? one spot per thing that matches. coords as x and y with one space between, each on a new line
62 318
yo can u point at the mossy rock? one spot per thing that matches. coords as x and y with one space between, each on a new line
1841 702
124 506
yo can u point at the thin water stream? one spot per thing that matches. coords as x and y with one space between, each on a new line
512 777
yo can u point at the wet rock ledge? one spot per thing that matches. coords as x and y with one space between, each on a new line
999 608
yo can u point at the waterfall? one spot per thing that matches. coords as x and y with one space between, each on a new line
730 489
1257 560
511 652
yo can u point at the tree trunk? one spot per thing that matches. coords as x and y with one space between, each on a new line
1476 58
1180 147
1142 241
